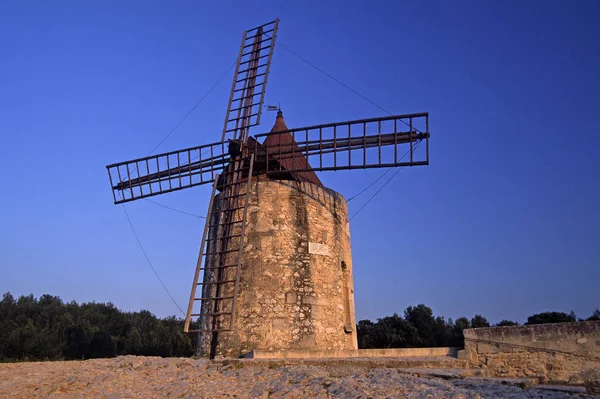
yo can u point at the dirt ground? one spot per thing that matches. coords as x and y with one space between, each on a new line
150 377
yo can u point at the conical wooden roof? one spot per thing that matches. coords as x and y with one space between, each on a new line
285 141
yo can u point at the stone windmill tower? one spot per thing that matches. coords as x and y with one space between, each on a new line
275 268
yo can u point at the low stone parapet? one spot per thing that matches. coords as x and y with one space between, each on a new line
554 353
360 353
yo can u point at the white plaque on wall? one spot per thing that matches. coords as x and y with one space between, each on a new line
316 248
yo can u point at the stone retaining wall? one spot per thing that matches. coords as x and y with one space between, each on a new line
360 353
557 353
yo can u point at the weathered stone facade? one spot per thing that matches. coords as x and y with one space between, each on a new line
295 284
557 353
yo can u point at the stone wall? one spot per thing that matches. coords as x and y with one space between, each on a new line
557 353
353 353
296 289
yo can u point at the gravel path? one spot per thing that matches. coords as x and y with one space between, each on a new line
150 377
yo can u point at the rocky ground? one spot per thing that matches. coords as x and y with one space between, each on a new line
149 377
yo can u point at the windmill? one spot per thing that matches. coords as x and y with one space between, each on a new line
243 170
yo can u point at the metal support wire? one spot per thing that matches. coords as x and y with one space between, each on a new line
149 262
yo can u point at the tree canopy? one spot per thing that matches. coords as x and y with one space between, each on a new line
47 328
551 317
420 328
595 315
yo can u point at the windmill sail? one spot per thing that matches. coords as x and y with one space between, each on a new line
166 172
358 144
250 81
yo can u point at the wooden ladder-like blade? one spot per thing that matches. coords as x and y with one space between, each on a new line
390 141
199 262
221 253
250 81
166 172
238 269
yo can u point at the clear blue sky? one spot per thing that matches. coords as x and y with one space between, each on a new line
504 222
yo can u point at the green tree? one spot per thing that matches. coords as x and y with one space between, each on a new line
442 332
507 323
48 328
365 332
551 317
397 332
79 339
7 324
479 321
594 316
102 345
421 317
457 339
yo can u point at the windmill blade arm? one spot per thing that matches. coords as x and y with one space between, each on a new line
180 171
358 144
163 173
250 81
315 147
